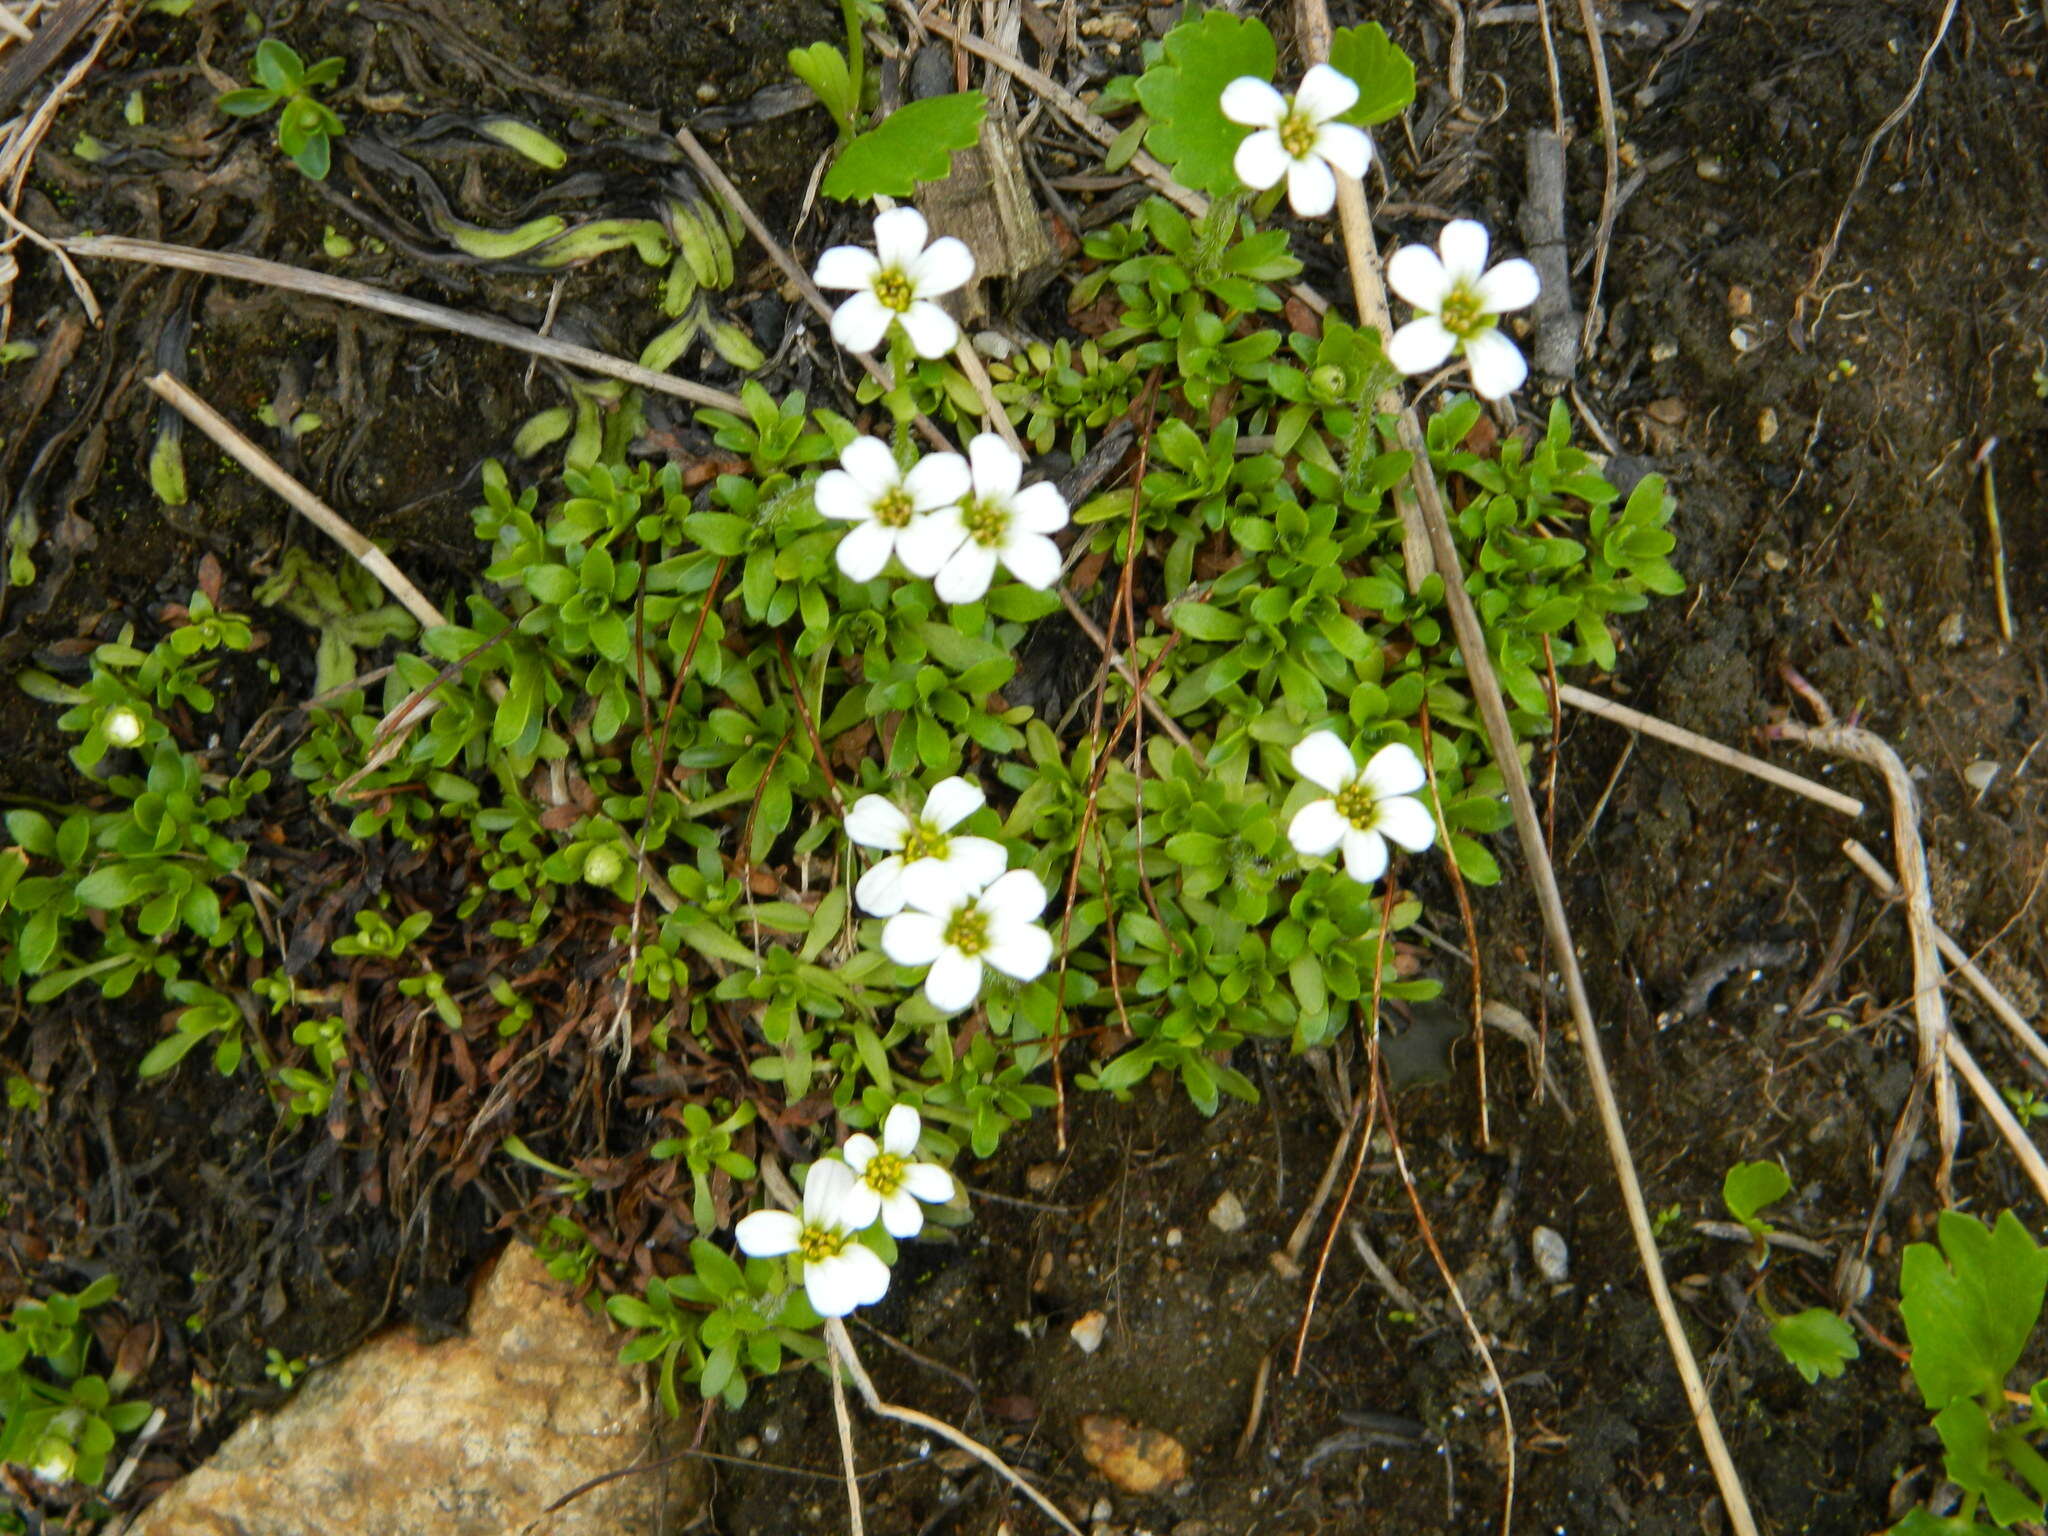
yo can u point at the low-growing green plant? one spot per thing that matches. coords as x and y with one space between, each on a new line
1816 1342
306 128
56 1418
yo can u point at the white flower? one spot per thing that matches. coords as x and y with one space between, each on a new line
1459 300
839 1272
922 844
897 281
1297 136
956 932
121 726
958 546
891 1182
1364 809
868 489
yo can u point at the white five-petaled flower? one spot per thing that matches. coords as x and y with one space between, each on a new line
956 933
924 844
883 501
1297 137
122 726
1363 809
958 546
896 282
1460 301
839 1272
889 1180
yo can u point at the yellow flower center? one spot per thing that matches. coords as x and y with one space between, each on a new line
894 290
894 509
1298 135
1463 313
884 1173
816 1243
985 521
924 843
1356 804
967 930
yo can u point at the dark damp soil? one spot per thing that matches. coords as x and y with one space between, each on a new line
1822 436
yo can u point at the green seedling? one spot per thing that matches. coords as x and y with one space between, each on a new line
1816 1342
434 988
306 128
721 1323
571 1185
706 1147
57 1419
374 935
284 1372
1747 1189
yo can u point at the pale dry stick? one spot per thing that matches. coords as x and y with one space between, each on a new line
842 1345
272 476
72 275
1870 145
1550 65
1994 1105
1995 537
1704 746
1500 736
1093 631
719 182
2000 1005
1930 1011
21 146
14 26
1290 1255
855 1523
1609 204
342 290
1369 293
992 408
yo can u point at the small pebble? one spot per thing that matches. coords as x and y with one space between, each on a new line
1743 338
1102 1509
1980 774
707 92
1175 1237
1040 1177
748 1446
1669 411
1663 351
1776 560
1740 302
1553 1257
1766 425
1227 1214
1951 631
1711 168
1088 1330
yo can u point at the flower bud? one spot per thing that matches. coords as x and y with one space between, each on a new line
1326 384
122 726
603 865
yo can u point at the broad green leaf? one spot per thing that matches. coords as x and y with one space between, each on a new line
1817 1342
1975 1452
1384 75
112 885
1970 1307
1183 92
1199 621
1749 1187
915 143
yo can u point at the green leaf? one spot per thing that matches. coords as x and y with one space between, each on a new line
279 66
823 68
1384 75
112 885
249 101
1975 1450
1748 1187
1970 1307
1817 1342
1199 621
167 1053
1183 93
914 143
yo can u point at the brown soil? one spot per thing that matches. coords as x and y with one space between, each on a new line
1831 521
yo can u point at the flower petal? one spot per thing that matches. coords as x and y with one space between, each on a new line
768 1234
1497 365
1022 950
1345 147
929 1183
900 1130
1317 828
880 892
877 823
1417 274
954 981
1253 102
853 1277
1365 855
951 801
931 330
846 266
1261 160
902 1215
1032 558
1421 345
1039 508
1407 821
937 480
1018 897
838 495
946 264
826 1192
900 236
978 862
1311 187
1322 758
859 1151
1463 244
861 322
965 577
872 466
865 550
1325 93
1394 770
857 1212
934 886
997 469
928 543
1511 285
913 938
